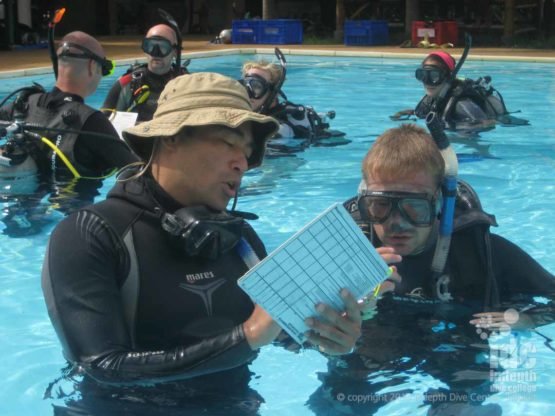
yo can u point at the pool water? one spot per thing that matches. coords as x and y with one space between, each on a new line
512 169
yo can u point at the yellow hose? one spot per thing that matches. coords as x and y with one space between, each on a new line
61 156
68 163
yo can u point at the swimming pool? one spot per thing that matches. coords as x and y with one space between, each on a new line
517 185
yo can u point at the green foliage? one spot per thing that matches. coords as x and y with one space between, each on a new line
533 42
319 40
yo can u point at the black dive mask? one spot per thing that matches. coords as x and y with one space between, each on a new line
430 75
201 232
157 46
256 86
106 65
419 209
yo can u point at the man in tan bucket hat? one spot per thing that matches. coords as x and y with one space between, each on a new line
206 99
153 269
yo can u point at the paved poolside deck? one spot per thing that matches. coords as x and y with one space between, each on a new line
126 49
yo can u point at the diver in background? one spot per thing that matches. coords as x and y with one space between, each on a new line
82 134
139 88
430 323
264 81
55 143
463 104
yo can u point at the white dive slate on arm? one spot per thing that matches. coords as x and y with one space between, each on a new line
326 255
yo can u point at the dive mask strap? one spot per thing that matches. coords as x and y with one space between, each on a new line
107 66
170 21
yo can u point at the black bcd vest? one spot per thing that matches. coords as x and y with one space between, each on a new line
469 260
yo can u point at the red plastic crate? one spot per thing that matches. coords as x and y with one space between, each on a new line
438 32
420 29
446 32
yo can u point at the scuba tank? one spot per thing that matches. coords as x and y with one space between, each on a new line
20 144
18 169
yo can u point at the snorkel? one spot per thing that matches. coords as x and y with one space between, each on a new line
449 193
449 188
58 14
438 102
170 21
277 88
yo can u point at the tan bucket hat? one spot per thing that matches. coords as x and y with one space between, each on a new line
202 99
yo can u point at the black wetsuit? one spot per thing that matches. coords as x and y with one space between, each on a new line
95 151
124 94
462 108
84 136
131 308
414 333
470 105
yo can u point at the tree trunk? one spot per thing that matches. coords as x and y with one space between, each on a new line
547 18
339 19
509 23
113 17
412 13
268 9
24 12
10 18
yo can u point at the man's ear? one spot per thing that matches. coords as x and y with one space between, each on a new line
90 67
362 186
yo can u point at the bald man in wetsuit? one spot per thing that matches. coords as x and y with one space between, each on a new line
83 134
86 143
139 88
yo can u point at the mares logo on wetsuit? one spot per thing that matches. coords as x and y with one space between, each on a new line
195 277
